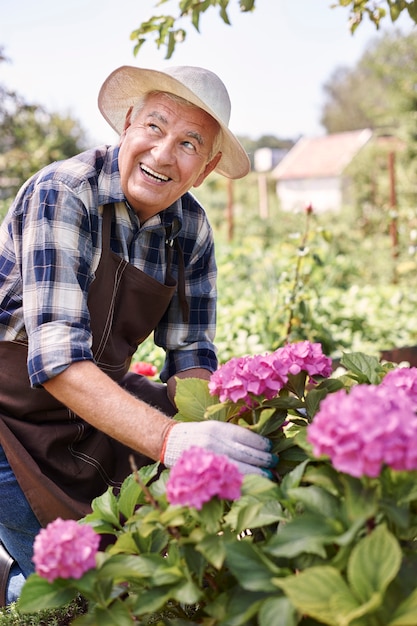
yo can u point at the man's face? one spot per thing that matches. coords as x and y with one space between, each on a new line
163 153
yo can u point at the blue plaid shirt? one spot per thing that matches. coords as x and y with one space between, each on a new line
50 247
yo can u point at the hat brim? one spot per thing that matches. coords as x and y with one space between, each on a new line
127 84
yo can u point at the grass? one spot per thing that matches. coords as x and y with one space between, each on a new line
10 616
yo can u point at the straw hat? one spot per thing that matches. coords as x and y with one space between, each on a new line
199 86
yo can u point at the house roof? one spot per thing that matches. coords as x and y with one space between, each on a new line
321 157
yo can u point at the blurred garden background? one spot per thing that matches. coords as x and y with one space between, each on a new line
345 277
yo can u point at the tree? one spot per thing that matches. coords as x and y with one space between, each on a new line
169 29
378 92
31 137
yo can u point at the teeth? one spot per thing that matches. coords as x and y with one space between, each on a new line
148 170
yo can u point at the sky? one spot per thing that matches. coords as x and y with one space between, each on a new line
273 61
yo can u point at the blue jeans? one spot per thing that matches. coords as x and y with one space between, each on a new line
18 528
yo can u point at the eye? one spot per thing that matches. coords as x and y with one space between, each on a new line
154 127
189 146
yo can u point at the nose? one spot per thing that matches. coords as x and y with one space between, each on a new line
164 151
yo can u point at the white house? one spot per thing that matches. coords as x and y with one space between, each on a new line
313 171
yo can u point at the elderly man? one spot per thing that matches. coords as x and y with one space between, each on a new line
98 251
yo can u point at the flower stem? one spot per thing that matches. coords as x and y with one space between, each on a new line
295 288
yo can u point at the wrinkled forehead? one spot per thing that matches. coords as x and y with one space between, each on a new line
160 103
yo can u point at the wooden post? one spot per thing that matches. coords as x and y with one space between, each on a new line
393 226
263 196
229 209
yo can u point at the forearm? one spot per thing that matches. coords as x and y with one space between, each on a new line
92 395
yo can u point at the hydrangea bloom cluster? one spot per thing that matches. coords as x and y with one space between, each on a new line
65 549
199 475
404 378
365 429
263 376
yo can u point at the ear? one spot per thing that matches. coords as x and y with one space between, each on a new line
127 123
211 165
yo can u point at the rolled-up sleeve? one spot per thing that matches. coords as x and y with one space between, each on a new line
56 274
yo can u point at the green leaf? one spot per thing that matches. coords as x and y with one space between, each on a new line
293 478
250 513
374 563
250 566
406 613
314 397
129 496
297 383
360 501
38 594
321 593
247 5
124 544
308 533
366 369
259 486
120 567
317 500
211 515
237 607
277 611
152 600
271 422
192 397
106 507
219 412
117 614
284 402
412 10
212 547
187 593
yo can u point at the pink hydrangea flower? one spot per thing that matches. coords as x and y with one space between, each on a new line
404 378
199 475
144 368
65 549
251 378
305 356
242 378
365 429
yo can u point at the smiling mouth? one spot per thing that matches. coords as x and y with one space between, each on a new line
153 175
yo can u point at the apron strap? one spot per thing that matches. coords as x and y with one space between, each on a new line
170 243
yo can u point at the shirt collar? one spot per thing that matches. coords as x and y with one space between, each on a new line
111 191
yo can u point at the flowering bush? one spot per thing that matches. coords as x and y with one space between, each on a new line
330 541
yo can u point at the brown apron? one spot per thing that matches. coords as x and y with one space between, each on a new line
60 461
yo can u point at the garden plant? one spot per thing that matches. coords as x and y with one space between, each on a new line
327 538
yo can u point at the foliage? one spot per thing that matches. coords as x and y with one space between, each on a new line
169 29
377 10
378 91
351 293
30 138
11 616
315 546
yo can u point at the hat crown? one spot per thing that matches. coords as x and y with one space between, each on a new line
207 86
200 87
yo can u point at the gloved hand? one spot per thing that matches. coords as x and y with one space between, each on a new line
249 451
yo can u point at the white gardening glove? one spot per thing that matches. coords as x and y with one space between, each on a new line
249 451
